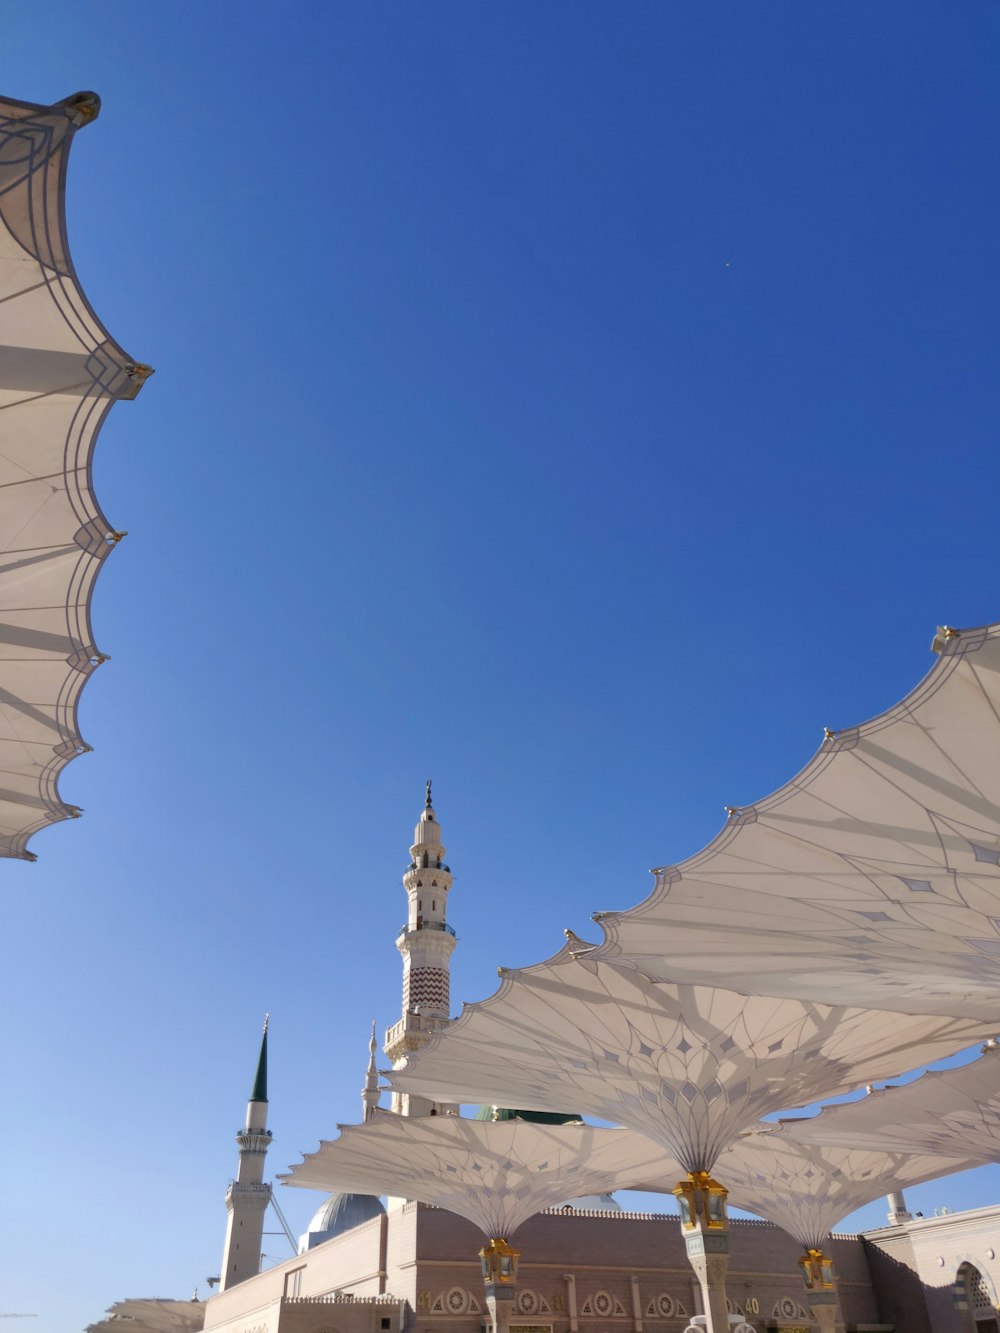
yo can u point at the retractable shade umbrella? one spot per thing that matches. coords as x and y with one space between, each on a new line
948 1111
496 1174
60 373
806 1189
691 1066
872 878
153 1316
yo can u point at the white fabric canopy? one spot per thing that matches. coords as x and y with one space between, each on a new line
808 1190
495 1173
60 372
153 1316
948 1111
690 1066
873 877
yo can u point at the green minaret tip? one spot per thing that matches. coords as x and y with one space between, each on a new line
259 1093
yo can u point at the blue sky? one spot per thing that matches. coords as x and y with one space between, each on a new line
582 404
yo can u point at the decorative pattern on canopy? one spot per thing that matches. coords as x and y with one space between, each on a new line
947 1111
808 1190
873 877
60 373
496 1174
690 1066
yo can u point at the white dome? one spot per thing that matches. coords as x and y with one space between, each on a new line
339 1213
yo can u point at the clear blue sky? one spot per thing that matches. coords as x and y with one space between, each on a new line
582 404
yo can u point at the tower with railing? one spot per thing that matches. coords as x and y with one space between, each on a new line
426 942
249 1194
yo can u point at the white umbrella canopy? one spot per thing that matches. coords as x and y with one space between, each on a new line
946 1111
153 1316
692 1067
496 1174
872 878
60 373
806 1190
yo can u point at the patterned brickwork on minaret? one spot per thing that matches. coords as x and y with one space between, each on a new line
426 942
427 988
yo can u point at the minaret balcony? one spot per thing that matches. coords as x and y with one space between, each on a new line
254 1140
249 1191
411 1032
405 928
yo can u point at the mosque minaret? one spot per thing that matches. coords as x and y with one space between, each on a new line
370 1094
248 1195
426 942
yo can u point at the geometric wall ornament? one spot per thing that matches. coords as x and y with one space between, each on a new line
531 1302
665 1307
456 1300
604 1305
786 1308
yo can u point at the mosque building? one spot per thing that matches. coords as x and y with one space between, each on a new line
364 1266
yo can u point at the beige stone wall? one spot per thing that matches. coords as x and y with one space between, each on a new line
401 1249
355 1261
304 1315
916 1267
629 1271
626 1273
314 1315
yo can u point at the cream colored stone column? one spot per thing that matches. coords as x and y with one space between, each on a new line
710 1269
823 1306
574 1322
500 1303
636 1305
705 1230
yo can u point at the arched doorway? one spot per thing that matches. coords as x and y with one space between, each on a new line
975 1294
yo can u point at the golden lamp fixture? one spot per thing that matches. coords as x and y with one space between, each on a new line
701 1200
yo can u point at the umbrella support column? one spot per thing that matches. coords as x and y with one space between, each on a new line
499 1262
705 1228
823 1307
500 1303
709 1257
817 1272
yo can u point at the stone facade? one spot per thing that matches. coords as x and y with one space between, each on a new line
417 1268
939 1274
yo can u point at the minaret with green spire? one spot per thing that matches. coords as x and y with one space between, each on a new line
248 1195
259 1093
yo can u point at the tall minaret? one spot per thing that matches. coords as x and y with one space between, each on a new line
371 1095
426 943
248 1196
898 1211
